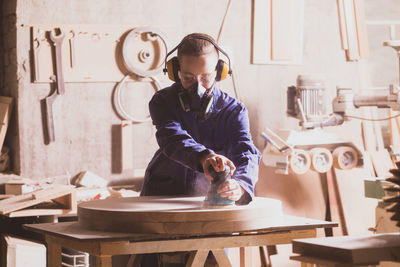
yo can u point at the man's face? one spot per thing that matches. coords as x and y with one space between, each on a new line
199 69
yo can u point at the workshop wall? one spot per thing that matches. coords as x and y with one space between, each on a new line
86 126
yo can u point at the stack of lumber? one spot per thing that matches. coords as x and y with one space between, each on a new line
54 200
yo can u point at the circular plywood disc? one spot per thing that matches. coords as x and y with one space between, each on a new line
175 215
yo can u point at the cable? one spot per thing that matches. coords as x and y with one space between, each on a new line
367 119
223 20
235 88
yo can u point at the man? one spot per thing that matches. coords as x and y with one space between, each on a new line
192 135
199 126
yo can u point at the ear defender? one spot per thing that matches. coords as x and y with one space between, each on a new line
222 69
172 68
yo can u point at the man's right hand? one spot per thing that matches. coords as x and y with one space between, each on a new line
218 162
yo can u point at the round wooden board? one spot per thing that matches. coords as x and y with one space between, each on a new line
175 215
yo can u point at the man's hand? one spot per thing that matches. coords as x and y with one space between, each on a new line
230 189
218 162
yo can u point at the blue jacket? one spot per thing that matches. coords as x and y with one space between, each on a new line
183 139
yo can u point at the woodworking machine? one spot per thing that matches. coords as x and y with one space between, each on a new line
312 147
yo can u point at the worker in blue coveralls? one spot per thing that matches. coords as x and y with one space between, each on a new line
199 125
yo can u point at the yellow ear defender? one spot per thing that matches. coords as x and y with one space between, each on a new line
171 67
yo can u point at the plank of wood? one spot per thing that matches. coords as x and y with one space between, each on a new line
377 131
90 179
74 232
394 130
374 145
261 53
342 24
277 32
368 137
361 26
314 261
351 31
6 104
359 250
2 196
335 201
382 163
282 30
127 145
39 212
31 199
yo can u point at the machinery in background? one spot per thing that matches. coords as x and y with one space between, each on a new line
312 147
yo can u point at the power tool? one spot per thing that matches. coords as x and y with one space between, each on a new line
213 200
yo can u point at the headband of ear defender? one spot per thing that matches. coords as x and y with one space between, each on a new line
172 66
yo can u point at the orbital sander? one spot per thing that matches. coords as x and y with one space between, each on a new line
213 199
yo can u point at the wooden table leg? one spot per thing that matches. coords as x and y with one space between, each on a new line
246 259
221 257
197 258
103 261
53 254
134 260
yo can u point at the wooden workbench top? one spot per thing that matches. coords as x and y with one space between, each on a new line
72 230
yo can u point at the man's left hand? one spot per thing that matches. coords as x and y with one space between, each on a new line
230 189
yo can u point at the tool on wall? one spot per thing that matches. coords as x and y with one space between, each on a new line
71 40
57 40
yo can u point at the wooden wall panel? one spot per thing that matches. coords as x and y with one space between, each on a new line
277 31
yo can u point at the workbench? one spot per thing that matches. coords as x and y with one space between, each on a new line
103 245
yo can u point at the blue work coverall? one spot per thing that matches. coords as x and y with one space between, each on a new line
184 139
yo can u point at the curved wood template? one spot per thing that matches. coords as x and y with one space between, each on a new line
176 215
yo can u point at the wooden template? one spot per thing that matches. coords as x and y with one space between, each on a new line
103 245
179 215
277 31
90 52
127 145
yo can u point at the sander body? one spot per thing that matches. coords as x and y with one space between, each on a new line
213 199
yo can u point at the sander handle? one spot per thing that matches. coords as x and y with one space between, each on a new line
219 177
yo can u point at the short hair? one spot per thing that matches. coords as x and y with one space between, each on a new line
192 46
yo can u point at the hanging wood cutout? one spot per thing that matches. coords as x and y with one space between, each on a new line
277 31
353 29
90 53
